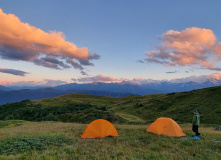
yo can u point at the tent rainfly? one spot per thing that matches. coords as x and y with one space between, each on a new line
166 126
99 128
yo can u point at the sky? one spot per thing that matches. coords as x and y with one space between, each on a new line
56 42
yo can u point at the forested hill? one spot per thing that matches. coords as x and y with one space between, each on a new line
130 109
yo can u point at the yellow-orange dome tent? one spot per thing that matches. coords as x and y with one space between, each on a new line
99 128
166 126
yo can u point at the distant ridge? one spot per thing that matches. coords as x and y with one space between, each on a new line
142 89
19 95
113 87
3 88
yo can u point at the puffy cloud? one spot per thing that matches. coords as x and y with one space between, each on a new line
98 78
21 41
192 46
216 76
198 78
13 71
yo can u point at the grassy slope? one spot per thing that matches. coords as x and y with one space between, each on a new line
147 108
134 143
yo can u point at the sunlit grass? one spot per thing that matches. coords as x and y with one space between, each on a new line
134 143
11 123
130 118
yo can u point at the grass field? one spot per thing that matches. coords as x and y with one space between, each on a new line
25 140
33 139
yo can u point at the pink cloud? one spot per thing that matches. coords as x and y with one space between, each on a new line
217 50
6 83
191 46
45 82
21 41
19 83
216 76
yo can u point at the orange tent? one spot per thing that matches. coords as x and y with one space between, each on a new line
166 126
99 128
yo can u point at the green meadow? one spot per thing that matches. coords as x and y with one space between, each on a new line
50 129
24 140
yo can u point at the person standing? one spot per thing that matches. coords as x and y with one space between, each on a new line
196 122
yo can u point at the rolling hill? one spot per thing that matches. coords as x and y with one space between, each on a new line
129 109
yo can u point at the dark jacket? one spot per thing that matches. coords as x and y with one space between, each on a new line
196 119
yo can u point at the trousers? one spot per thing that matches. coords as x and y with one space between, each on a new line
195 129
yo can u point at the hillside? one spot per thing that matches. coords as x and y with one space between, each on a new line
130 109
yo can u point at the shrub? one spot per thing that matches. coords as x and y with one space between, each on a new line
23 144
218 128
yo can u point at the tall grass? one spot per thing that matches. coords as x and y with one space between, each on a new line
11 123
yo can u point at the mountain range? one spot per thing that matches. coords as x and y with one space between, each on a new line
141 89
15 93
